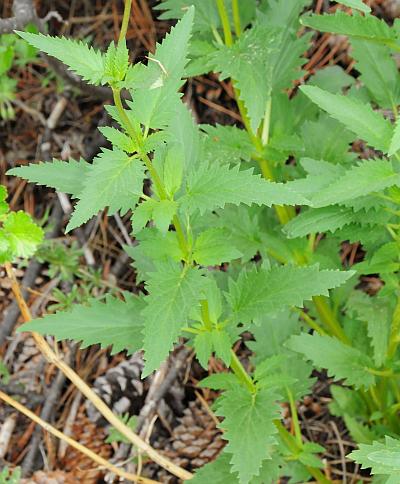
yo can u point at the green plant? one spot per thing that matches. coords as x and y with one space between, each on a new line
221 194
8 476
14 51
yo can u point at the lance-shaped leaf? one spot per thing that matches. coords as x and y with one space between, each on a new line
213 187
357 4
115 323
362 179
78 56
366 27
358 117
259 292
395 141
115 180
327 219
173 293
65 176
341 361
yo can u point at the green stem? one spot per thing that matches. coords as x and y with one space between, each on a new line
149 165
223 14
236 17
293 446
267 122
329 319
394 331
241 373
313 324
125 20
205 314
295 418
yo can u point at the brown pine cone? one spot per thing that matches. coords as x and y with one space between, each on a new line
79 467
121 388
194 442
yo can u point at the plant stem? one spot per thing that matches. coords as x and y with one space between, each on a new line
267 122
205 314
149 165
125 21
293 446
236 17
394 331
313 324
241 373
73 443
223 14
329 319
295 418
84 388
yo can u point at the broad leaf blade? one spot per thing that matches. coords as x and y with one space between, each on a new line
115 180
173 293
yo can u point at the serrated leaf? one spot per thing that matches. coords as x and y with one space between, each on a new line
375 313
341 361
222 345
173 292
249 428
78 56
332 79
258 292
203 346
327 219
115 180
4 208
161 211
210 188
357 4
395 141
22 234
358 117
213 246
383 458
65 176
155 102
366 27
379 72
118 139
366 177
114 322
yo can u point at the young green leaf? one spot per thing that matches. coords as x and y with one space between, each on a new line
358 117
173 293
78 56
249 428
341 361
213 247
258 292
115 323
115 180
23 236
155 103
65 176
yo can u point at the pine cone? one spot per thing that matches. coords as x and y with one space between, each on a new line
79 467
121 388
195 441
